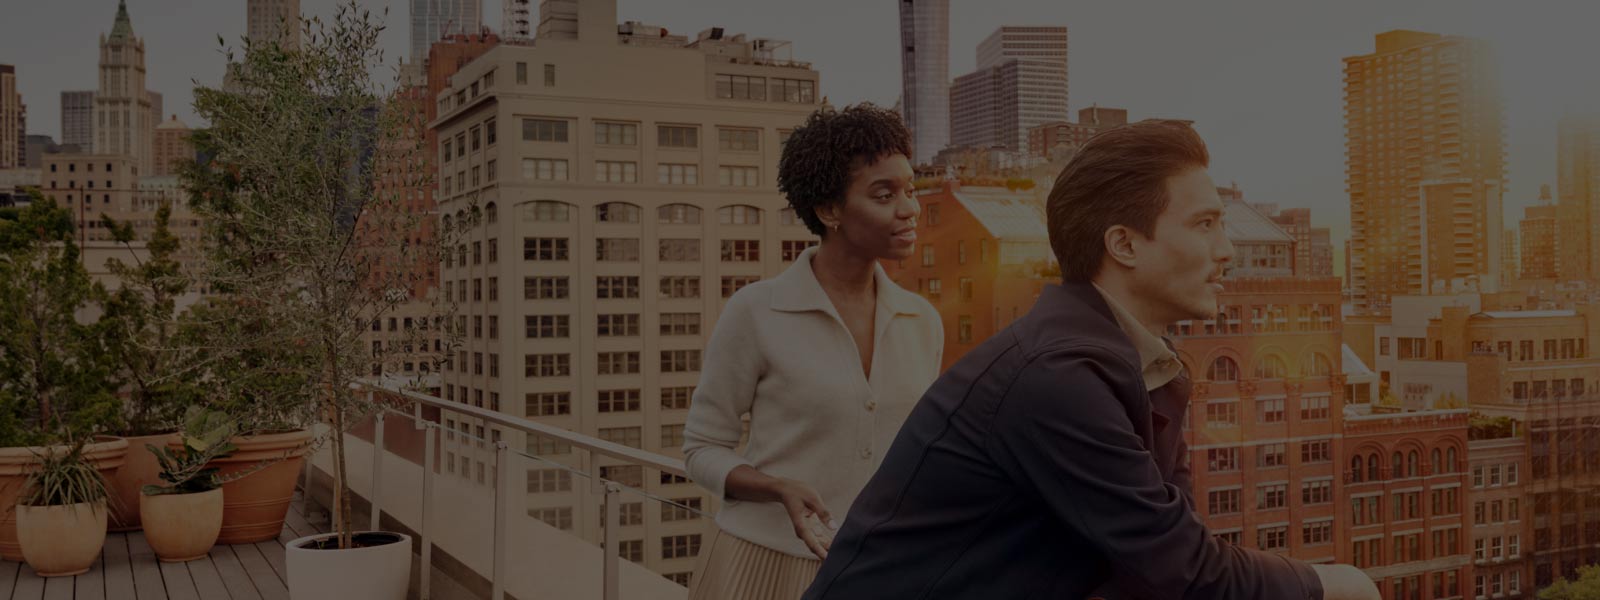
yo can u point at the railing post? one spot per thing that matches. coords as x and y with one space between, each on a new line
502 517
430 434
377 468
609 591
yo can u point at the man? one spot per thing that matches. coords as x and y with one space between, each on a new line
1049 461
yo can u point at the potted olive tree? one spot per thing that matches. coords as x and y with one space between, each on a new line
309 240
183 516
159 374
56 382
61 516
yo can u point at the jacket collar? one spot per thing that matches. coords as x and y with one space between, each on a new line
797 290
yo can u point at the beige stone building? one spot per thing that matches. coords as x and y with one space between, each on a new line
1425 167
122 107
170 146
273 20
604 222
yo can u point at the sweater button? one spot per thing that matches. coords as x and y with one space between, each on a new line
866 453
872 405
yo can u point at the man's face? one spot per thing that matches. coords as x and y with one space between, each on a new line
878 216
1179 270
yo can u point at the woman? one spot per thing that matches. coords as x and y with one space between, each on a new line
827 359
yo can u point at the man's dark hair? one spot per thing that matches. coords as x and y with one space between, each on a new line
1118 178
816 164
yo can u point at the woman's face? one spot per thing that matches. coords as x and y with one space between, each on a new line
878 217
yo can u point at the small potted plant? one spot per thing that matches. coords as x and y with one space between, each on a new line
182 518
61 517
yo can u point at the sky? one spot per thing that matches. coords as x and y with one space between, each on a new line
1260 79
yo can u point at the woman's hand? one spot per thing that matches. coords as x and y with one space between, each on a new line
801 501
797 497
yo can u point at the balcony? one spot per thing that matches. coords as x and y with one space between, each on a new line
477 540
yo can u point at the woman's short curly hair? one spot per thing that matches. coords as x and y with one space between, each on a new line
815 168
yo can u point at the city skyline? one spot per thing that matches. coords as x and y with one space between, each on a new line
1213 80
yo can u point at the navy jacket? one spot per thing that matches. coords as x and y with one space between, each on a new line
1038 467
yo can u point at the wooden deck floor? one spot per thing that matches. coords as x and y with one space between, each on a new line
128 570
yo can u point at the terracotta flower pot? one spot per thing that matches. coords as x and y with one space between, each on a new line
382 560
15 464
182 527
254 506
139 469
58 541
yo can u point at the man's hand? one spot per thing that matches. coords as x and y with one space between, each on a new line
1344 582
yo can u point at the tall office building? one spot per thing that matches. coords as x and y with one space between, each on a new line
1578 187
602 225
1539 247
1425 167
1020 84
925 75
432 20
122 111
170 147
13 121
517 20
77 119
274 20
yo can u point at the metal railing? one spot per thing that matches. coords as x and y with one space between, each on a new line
504 454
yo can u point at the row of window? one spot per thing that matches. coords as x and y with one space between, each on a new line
1415 348
612 171
617 133
1275 538
1408 547
556 404
1544 390
551 211
1269 496
1223 460
1225 412
630 514
672 287
1366 468
1269 366
667 250
610 325
610 363
1277 318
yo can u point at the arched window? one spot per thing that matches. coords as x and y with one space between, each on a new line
492 212
678 214
1319 366
1411 464
477 216
461 220
1271 367
1438 461
1450 459
787 216
1355 469
1397 465
448 222
1223 369
1372 467
616 212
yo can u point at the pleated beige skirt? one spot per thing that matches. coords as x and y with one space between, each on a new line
730 568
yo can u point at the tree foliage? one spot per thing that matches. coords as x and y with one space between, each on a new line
1585 587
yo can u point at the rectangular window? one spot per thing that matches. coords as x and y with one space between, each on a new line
610 171
676 398
680 546
619 401
1269 410
617 363
547 365
1222 459
544 130
1222 414
546 481
738 140
802 91
616 287
1222 502
1313 408
522 73
544 288
627 436
741 250
617 249
680 287
549 81
547 326
1320 532
1316 492
680 324
681 509
616 134
1316 451
741 87
1270 455
677 136
544 169
1273 538
964 329
680 361
626 325
671 436
544 249
792 248
679 250
678 174
733 176
1273 496
733 283
548 404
